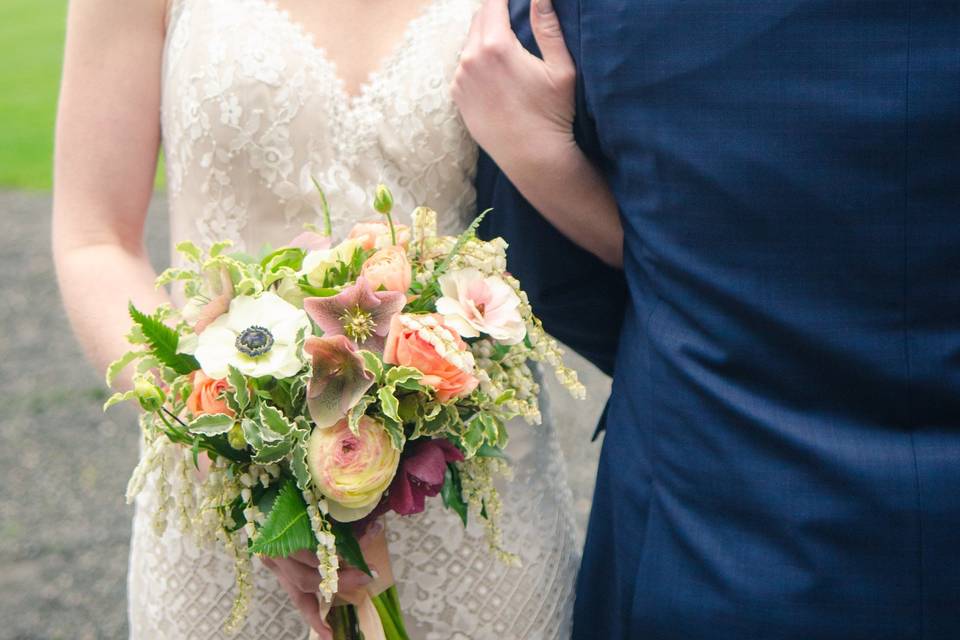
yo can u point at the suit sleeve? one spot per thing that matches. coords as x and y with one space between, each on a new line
579 298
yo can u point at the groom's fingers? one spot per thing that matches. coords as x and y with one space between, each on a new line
549 36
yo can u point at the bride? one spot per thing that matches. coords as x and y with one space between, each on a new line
251 100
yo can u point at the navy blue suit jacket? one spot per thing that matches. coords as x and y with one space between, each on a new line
782 458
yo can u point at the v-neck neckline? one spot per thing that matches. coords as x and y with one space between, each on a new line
373 78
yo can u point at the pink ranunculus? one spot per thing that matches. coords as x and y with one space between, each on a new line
447 370
388 268
352 470
376 234
473 304
420 476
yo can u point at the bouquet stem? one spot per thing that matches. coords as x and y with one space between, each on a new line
345 620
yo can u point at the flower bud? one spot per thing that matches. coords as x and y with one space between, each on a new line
235 437
383 202
149 395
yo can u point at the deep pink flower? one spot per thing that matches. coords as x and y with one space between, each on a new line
420 476
358 312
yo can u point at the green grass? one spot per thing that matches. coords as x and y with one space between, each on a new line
31 57
31 47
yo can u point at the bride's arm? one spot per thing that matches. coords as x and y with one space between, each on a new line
107 139
520 109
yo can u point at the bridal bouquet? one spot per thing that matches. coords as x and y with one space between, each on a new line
331 384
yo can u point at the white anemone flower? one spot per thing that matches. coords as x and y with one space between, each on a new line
473 304
258 336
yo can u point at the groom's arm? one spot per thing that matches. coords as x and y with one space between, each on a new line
579 298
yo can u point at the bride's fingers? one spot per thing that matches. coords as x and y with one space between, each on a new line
302 576
308 606
353 579
307 557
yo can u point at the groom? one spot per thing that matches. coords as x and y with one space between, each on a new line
782 457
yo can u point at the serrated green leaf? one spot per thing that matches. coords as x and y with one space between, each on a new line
358 411
348 547
251 433
274 452
452 493
240 391
219 247
394 429
389 403
119 397
211 424
397 375
298 464
120 364
273 424
373 363
163 342
462 239
487 451
287 527
190 251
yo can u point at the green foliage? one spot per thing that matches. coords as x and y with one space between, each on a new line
163 342
287 527
452 492
298 463
462 239
211 424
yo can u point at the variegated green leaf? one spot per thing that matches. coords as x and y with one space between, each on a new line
273 452
117 398
211 424
251 433
298 463
397 375
120 364
240 392
388 403
395 430
357 412
273 425
373 364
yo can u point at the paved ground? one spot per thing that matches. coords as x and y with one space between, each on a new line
64 526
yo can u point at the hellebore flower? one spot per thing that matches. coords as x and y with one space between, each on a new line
358 312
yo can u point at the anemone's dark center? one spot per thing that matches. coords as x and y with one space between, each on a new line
254 341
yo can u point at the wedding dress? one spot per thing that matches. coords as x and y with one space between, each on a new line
252 110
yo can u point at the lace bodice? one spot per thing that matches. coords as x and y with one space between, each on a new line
252 111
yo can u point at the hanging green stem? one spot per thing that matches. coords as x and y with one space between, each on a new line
327 227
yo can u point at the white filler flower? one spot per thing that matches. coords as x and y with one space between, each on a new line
257 335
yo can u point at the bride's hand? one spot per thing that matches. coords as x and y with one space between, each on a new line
299 577
516 105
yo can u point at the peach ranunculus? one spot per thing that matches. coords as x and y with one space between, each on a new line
376 234
352 470
425 343
388 268
207 395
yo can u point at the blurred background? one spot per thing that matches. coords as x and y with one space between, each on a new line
64 464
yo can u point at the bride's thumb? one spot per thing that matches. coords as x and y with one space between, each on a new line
549 35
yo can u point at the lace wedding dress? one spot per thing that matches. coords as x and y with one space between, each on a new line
252 109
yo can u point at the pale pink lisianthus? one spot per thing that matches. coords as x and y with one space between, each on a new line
473 304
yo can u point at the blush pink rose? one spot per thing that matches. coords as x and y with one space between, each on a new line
376 234
388 268
406 346
207 395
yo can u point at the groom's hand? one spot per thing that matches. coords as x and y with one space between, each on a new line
517 107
